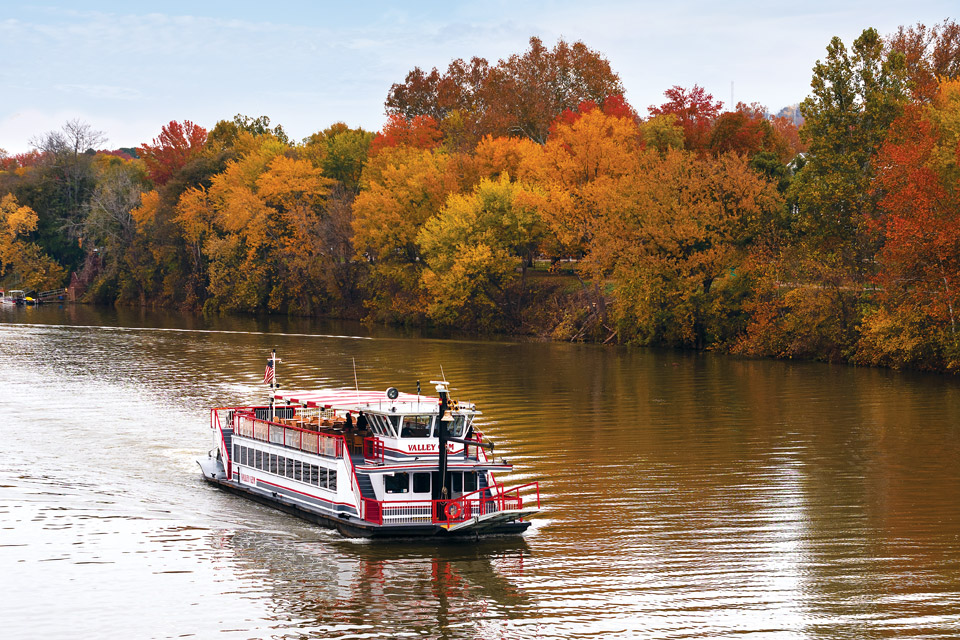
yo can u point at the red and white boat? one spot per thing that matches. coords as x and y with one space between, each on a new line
368 463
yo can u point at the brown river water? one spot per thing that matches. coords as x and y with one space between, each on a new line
686 495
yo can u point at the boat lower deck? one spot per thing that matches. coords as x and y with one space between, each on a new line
353 527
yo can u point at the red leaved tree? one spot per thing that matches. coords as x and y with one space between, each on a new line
420 132
178 142
695 111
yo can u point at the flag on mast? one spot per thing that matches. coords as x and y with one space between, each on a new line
268 373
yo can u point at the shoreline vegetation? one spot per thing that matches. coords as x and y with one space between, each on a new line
527 197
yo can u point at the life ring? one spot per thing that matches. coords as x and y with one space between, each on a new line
453 510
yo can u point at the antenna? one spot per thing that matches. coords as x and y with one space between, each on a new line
355 381
442 374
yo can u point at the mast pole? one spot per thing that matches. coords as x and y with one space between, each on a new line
273 383
442 440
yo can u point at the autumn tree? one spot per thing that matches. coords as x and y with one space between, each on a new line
583 167
177 143
676 245
419 132
929 54
663 133
257 223
400 189
918 321
225 133
519 96
476 249
695 112
23 263
747 131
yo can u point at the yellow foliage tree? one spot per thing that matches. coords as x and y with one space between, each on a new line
257 225
474 248
400 189
29 267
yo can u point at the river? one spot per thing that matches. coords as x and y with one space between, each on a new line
686 495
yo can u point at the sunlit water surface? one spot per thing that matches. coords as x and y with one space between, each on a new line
686 496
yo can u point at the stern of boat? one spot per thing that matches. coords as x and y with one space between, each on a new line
212 468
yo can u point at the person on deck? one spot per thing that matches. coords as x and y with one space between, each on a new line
349 421
361 422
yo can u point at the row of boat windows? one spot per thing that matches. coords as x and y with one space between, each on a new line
286 467
415 426
457 481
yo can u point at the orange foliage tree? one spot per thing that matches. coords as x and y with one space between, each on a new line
401 188
919 219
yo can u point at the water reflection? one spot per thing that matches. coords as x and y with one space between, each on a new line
376 590
686 495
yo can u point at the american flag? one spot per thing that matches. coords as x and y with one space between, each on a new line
268 373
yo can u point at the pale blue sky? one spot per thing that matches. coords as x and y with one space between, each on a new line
128 68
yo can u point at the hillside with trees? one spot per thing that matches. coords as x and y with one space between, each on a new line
527 196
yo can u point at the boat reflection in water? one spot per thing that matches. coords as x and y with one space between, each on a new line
315 586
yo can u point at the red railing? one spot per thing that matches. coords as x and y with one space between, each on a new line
245 423
372 511
452 511
373 450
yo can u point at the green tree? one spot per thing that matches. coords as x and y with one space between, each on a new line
856 96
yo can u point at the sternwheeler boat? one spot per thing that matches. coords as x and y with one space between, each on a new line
368 463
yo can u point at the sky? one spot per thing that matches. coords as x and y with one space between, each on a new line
128 68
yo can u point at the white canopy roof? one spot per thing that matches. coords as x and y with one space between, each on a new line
347 399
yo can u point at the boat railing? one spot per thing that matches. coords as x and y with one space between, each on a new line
453 511
248 425
227 455
373 450
245 423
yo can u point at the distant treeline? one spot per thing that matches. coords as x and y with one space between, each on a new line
528 196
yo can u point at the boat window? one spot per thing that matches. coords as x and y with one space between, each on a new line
332 479
421 483
396 483
457 484
289 473
469 481
297 471
456 428
259 459
416 426
273 463
383 426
